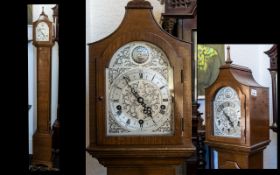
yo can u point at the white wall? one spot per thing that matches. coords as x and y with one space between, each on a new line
37 10
103 18
32 75
32 88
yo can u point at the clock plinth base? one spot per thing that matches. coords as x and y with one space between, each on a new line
42 149
239 157
142 160
160 170
235 160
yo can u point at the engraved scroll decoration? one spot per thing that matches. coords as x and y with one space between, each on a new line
138 55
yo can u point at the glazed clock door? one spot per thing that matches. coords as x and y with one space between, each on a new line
227 113
139 92
42 32
139 84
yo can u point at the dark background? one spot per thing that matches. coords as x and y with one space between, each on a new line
221 21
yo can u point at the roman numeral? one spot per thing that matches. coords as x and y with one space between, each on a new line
162 87
165 99
128 122
141 75
118 87
153 77
127 79
115 100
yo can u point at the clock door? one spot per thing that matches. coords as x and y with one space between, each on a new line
139 85
139 99
42 32
227 113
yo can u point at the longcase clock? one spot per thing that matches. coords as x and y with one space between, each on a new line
237 118
140 97
42 40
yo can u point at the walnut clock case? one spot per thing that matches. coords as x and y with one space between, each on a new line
237 118
140 97
42 40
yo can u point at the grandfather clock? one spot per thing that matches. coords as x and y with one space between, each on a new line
42 140
56 22
273 55
140 104
237 118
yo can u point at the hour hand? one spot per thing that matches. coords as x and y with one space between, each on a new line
148 112
133 91
42 33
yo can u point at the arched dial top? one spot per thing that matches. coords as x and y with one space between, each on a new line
42 32
226 113
139 88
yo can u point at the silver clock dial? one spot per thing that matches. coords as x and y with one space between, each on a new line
42 32
227 113
139 91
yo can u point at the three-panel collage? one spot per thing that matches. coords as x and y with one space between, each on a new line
157 101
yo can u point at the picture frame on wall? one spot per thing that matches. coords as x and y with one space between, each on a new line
209 59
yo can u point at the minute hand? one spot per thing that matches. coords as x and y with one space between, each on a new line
230 122
133 91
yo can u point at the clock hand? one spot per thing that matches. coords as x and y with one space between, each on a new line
148 111
41 31
230 122
134 92
140 100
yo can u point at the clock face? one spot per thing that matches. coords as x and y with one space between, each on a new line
139 84
42 32
227 113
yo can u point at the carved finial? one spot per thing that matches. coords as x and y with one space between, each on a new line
228 61
43 15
